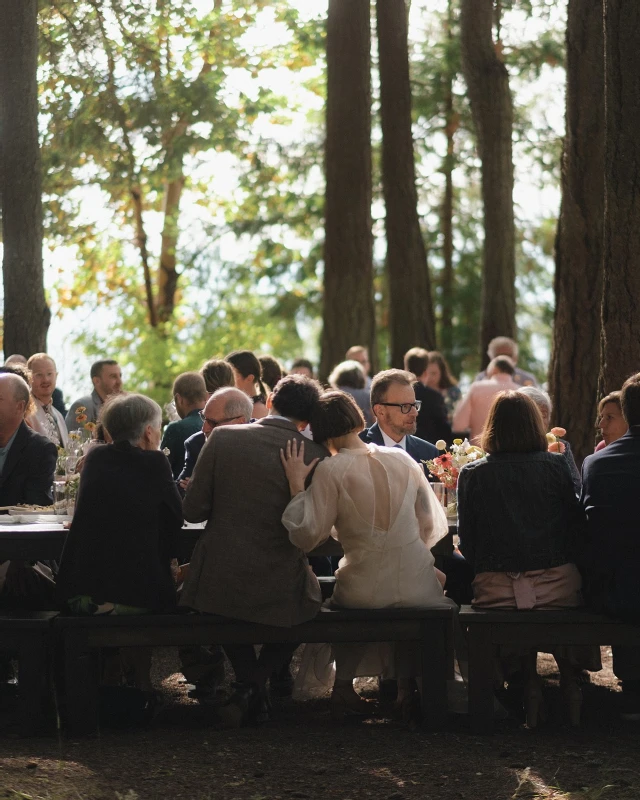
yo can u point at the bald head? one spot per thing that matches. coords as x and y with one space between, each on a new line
14 402
227 406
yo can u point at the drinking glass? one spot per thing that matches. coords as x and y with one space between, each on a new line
440 492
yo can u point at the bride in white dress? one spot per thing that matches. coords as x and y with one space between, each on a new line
386 518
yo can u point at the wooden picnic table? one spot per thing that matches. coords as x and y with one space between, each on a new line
43 541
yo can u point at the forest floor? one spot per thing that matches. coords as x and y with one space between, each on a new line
301 753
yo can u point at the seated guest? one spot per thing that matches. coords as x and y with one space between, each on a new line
118 553
543 401
27 466
302 366
394 405
387 518
228 406
521 528
57 399
611 420
247 372
27 459
217 373
361 355
244 566
46 419
396 409
272 370
473 410
432 423
504 346
440 378
107 380
610 491
189 396
349 377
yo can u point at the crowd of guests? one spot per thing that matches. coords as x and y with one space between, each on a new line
273 464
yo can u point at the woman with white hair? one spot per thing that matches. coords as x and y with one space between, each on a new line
117 557
543 402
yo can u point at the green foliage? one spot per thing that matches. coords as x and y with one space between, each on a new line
137 95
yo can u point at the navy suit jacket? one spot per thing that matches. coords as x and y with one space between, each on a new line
417 448
610 491
27 475
192 447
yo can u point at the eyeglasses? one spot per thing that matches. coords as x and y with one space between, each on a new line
213 423
405 408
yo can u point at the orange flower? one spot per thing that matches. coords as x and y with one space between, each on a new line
90 426
81 417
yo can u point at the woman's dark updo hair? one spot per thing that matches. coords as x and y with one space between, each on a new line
336 414
247 364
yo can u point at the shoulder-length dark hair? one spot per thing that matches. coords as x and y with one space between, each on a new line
335 414
514 425
446 378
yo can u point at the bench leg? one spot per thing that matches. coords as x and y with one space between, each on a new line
81 685
433 656
33 671
480 679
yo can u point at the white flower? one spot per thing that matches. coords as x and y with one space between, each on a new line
441 444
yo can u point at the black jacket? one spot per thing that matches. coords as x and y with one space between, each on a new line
519 512
27 475
432 417
123 535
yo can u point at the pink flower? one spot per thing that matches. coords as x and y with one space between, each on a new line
558 432
556 447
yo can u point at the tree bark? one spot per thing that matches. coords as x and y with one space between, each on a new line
348 314
167 272
620 344
492 110
452 122
411 319
575 362
26 314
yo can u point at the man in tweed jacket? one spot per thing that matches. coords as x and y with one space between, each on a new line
244 566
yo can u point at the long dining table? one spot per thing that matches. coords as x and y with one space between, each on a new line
44 541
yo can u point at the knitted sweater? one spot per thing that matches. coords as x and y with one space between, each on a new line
519 512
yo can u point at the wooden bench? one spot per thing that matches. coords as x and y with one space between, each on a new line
27 635
430 628
489 628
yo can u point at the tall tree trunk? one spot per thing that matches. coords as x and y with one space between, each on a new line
167 273
348 314
620 354
411 320
492 109
451 126
575 363
26 314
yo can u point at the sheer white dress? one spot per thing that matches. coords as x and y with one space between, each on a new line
387 519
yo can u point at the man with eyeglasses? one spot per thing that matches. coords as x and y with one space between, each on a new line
227 406
394 405
189 395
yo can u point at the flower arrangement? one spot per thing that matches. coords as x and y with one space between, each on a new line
447 466
553 440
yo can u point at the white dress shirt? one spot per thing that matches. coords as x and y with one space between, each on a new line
388 441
